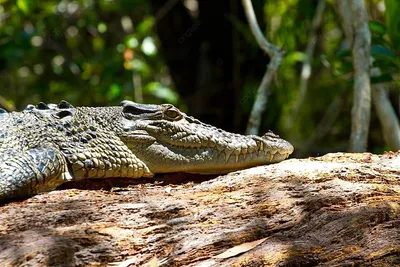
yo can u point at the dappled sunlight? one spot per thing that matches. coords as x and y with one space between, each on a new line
145 133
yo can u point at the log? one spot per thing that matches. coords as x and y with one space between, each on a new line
336 210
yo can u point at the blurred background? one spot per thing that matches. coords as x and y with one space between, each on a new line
198 55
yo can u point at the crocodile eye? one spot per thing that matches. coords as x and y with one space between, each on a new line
173 113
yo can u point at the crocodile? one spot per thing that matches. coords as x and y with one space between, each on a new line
46 145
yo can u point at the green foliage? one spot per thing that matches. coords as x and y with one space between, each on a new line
84 51
25 5
393 21
289 24
383 51
377 28
100 52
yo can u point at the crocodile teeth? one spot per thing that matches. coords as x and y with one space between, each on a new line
260 145
237 153
271 157
228 154
220 148
211 144
244 153
251 149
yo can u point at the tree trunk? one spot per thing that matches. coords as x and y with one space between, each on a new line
276 54
387 116
360 113
198 52
205 58
336 210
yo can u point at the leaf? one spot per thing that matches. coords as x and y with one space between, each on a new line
146 25
98 44
131 41
393 20
382 52
162 92
294 57
239 249
114 91
344 53
377 27
24 5
342 68
386 77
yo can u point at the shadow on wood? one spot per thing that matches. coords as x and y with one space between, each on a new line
336 210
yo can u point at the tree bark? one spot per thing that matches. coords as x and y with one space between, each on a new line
344 12
384 109
361 110
306 69
387 117
336 210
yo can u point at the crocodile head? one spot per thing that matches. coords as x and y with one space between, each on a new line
167 140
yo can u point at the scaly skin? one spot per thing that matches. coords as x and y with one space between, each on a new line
47 145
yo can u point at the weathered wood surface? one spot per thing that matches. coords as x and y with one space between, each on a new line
336 210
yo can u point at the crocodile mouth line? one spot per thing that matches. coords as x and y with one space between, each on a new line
254 149
139 136
259 154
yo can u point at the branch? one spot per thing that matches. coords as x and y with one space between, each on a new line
269 48
165 9
386 114
137 86
306 68
276 55
344 12
354 19
387 117
361 110
263 91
